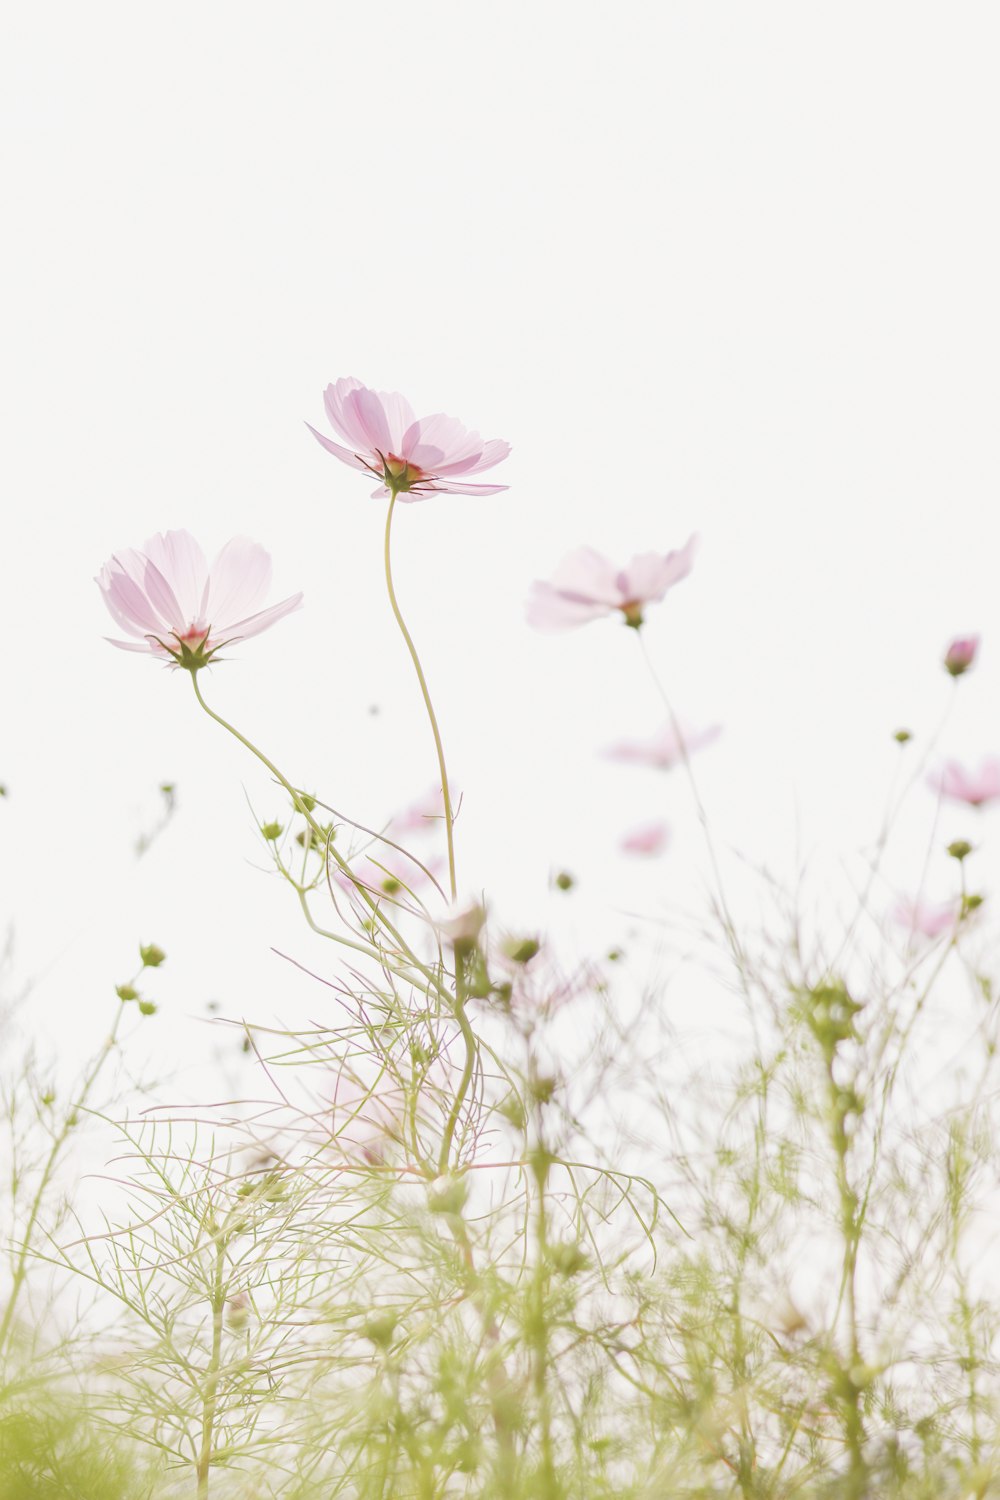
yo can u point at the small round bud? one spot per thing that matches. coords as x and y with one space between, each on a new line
238 1311
564 881
147 1008
271 831
447 1195
305 802
126 992
902 736
971 903
379 1328
521 950
152 956
960 850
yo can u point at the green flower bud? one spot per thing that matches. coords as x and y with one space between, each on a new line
521 950
902 736
147 1008
126 992
564 881
271 831
447 1195
152 956
960 849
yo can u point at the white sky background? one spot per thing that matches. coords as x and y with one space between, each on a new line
720 268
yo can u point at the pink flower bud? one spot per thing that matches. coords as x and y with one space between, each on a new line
961 654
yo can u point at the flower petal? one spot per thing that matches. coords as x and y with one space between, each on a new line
242 629
238 583
344 454
181 561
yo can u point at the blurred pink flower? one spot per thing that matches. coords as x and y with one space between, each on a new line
426 815
975 788
920 916
389 872
664 750
181 610
648 839
961 654
586 585
413 457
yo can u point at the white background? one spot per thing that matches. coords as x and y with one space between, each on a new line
722 268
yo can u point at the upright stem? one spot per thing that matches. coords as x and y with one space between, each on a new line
210 1396
449 817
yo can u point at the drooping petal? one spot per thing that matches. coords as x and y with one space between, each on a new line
242 629
144 646
458 487
125 600
238 583
344 454
495 450
550 609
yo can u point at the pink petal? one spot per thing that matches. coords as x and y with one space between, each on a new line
649 575
587 576
369 418
494 452
162 597
649 839
439 444
243 629
181 561
344 454
343 419
238 583
458 488
548 609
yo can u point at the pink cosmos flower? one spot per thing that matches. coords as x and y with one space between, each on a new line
181 610
664 750
390 872
976 788
961 654
586 585
921 917
649 839
410 456
426 815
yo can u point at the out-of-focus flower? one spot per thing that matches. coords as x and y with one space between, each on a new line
411 457
976 787
462 923
961 654
366 1120
181 610
648 839
664 750
390 872
586 585
426 815
922 917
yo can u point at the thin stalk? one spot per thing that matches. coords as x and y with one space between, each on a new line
210 1398
449 817
69 1121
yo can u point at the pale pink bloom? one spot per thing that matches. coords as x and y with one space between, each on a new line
649 839
976 788
181 610
426 815
410 456
365 1121
462 923
961 654
921 917
586 585
664 750
389 872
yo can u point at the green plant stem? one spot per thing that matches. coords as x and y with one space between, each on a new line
210 1397
449 817
300 807
59 1141
469 1037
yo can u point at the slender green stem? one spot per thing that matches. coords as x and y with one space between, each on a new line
449 817
211 1391
321 834
471 1049
20 1270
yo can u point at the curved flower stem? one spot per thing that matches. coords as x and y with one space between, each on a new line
449 817
300 807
